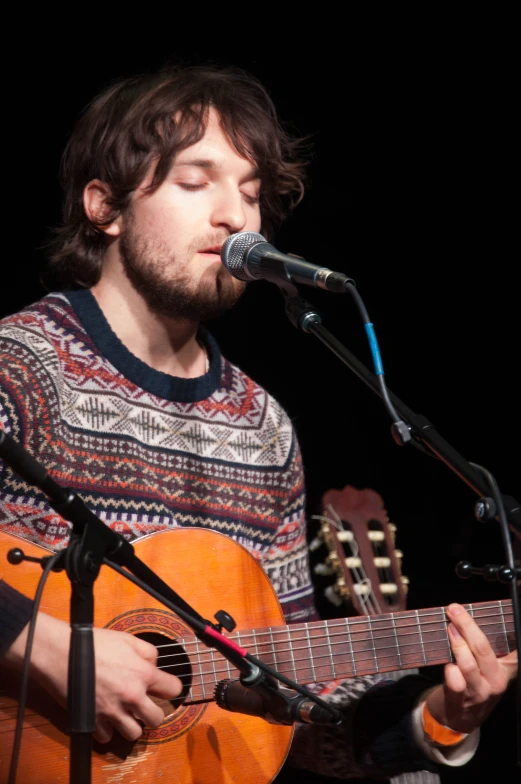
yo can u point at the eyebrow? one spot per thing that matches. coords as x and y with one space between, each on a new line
211 165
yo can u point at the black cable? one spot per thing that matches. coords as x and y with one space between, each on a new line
27 665
398 424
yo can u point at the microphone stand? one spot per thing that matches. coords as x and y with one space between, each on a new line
305 318
92 543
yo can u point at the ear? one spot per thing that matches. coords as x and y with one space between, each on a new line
95 204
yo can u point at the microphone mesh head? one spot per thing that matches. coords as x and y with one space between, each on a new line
234 250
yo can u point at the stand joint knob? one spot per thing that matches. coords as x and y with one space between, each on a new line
485 509
225 621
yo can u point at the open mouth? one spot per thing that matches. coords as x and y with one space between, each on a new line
215 251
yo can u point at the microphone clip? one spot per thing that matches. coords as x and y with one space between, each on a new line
258 694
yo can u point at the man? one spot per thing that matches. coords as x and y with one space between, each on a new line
117 389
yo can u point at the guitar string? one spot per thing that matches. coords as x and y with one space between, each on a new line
202 679
325 631
208 656
367 602
211 654
355 665
370 600
198 679
432 649
279 650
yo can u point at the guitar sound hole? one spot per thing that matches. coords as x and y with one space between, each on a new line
173 659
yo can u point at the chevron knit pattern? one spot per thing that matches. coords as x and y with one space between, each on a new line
225 457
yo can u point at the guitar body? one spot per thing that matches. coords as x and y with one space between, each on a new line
198 743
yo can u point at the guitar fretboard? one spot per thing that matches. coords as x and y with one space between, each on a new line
345 647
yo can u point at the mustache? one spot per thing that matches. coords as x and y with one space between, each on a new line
208 241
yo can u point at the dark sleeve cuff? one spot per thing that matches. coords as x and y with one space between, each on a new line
15 614
383 732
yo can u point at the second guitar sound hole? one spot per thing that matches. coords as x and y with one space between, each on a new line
171 658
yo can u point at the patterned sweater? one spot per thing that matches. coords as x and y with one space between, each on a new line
148 452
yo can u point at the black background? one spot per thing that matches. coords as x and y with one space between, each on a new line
414 193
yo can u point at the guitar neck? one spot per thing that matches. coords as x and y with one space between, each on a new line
347 647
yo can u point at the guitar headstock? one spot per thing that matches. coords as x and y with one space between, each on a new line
361 552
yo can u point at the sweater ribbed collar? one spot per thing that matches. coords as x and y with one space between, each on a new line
181 390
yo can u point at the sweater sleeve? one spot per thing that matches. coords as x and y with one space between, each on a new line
15 614
24 509
376 738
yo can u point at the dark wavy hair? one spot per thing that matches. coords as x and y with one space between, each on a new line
148 119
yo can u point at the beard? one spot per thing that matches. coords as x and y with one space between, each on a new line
149 265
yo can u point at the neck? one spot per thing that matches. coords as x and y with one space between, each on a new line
164 344
356 646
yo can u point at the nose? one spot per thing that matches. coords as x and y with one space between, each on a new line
229 209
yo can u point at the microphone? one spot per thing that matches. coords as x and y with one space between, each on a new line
276 706
247 256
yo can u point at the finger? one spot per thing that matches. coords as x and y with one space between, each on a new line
478 645
149 713
466 662
128 726
509 664
104 730
454 679
145 649
165 685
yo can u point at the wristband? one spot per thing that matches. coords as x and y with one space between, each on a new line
437 733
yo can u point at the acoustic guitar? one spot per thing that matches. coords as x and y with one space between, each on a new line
200 742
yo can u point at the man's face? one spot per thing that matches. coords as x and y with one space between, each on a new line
171 239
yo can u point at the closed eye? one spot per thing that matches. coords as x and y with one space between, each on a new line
189 186
251 199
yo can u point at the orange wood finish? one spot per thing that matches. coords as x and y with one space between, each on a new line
211 572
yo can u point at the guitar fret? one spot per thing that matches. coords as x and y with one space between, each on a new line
310 654
421 637
275 664
238 641
450 655
397 644
229 669
198 654
212 657
292 656
504 626
373 641
330 652
351 647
